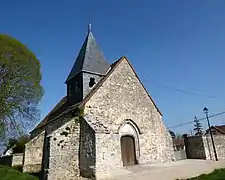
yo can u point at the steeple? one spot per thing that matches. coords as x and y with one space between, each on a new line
90 58
89 27
88 69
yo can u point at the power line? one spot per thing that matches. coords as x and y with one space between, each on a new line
192 121
191 93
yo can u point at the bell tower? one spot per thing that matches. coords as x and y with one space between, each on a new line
89 67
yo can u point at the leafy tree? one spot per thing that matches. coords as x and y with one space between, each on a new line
18 144
197 127
20 88
10 143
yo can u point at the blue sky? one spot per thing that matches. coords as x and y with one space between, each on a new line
180 44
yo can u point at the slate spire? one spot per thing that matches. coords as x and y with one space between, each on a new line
90 58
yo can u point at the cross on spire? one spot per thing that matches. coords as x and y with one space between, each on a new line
89 27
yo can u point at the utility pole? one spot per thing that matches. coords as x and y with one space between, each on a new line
210 131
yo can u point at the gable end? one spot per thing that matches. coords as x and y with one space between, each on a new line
114 66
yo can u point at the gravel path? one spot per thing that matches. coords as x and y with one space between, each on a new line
169 171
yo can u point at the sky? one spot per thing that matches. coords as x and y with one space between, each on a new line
176 47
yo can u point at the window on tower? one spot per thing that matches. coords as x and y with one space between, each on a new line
92 82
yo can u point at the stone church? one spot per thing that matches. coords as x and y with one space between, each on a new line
106 121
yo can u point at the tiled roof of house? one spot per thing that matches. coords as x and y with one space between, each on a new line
178 142
220 128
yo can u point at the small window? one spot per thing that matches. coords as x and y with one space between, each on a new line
92 82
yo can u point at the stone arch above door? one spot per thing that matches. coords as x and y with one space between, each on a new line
129 128
131 123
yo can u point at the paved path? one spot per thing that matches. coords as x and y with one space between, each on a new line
169 171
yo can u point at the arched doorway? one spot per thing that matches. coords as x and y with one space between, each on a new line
128 152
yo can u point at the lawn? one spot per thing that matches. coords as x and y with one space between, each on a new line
218 174
7 173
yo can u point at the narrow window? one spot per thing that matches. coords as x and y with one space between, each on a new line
92 82
70 90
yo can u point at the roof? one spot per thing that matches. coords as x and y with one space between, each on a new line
90 59
62 107
221 129
178 142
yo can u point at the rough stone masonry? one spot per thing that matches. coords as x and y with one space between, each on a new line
119 126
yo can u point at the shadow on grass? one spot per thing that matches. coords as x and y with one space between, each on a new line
8 173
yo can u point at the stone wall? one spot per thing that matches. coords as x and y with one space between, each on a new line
52 125
122 97
200 147
194 147
87 150
45 160
12 160
180 154
86 80
33 154
219 141
108 155
64 152
17 159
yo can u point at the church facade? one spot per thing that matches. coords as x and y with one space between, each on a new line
107 121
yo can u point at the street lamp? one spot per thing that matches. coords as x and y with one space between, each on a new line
207 117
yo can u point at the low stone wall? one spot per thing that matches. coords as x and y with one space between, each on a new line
200 147
179 155
12 160
17 159
219 141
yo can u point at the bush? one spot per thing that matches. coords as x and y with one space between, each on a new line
8 173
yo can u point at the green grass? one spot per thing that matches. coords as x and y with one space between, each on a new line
8 173
218 174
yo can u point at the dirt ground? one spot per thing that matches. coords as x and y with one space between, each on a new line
169 171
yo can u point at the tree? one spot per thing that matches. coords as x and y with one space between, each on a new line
197 127
179 135
172 134
18 144
20 88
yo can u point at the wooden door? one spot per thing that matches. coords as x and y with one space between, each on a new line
128 150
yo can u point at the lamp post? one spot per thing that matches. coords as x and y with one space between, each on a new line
207 117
